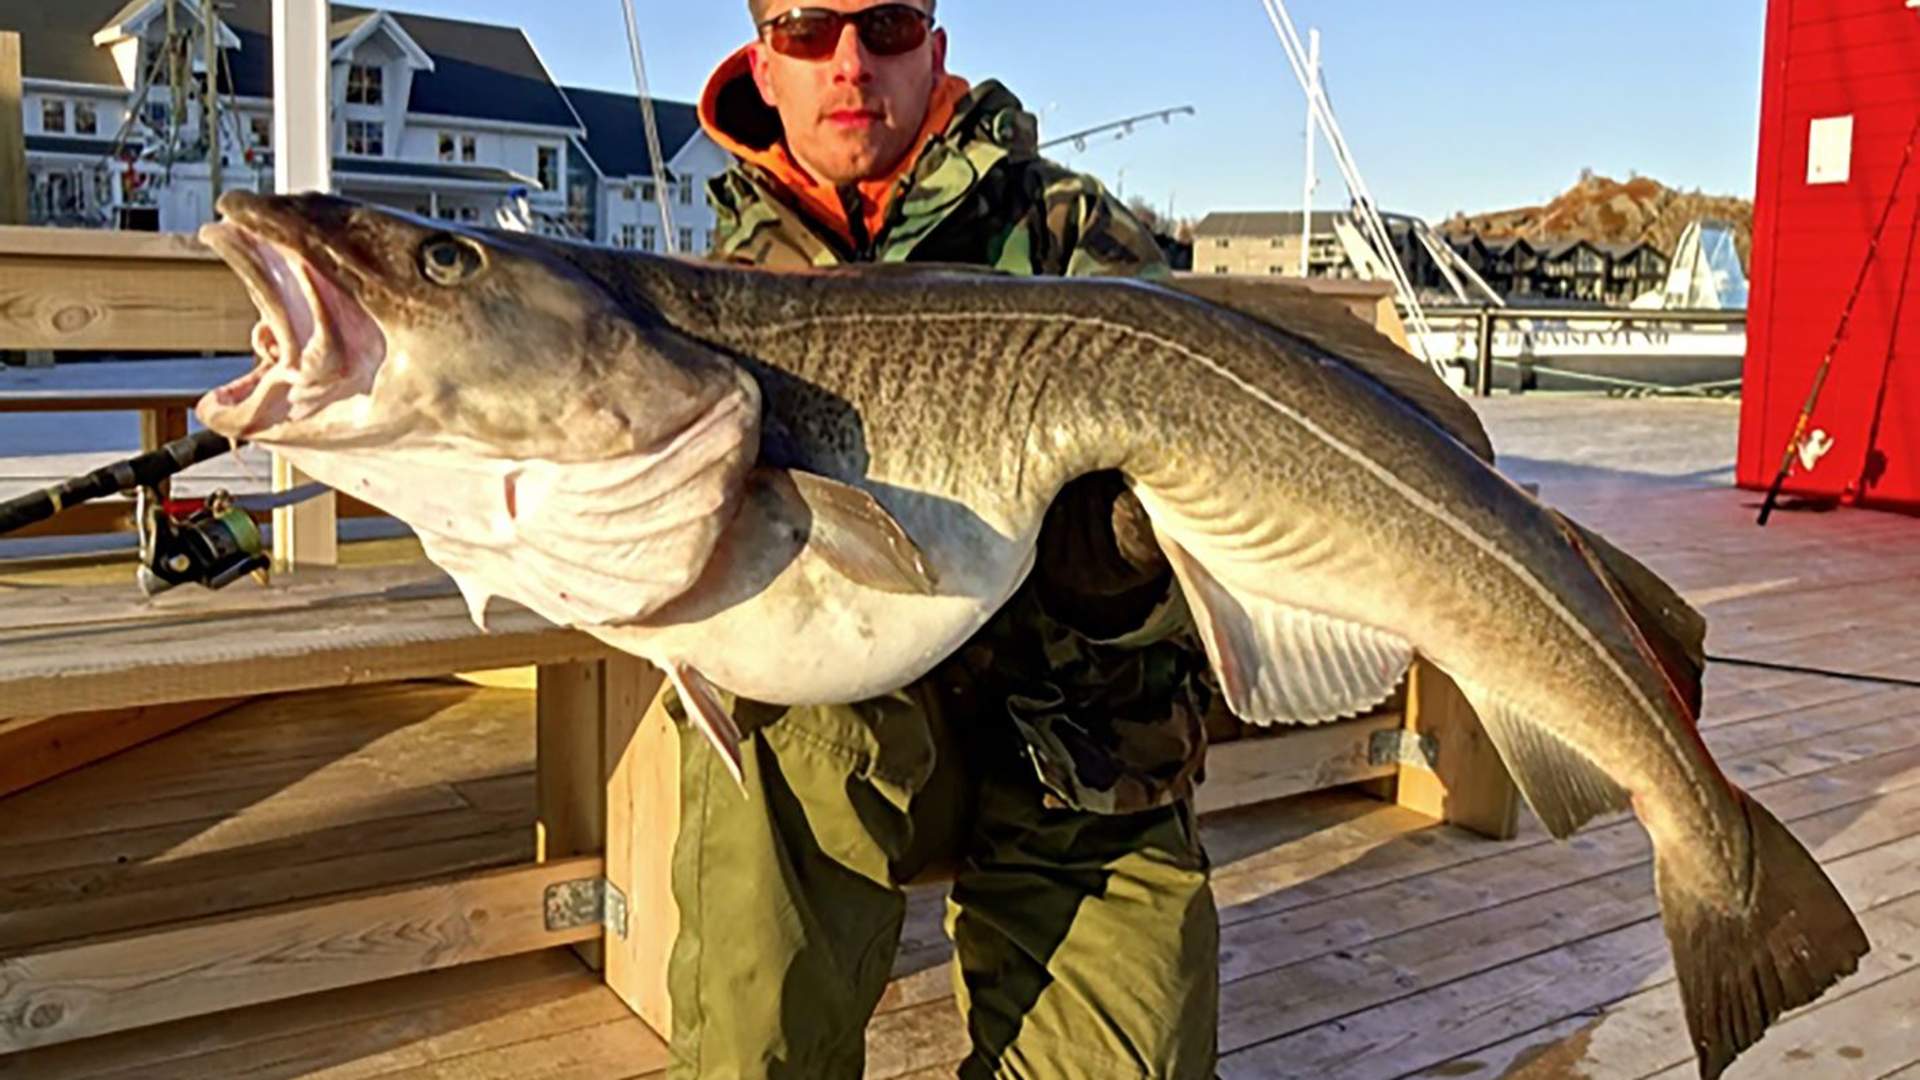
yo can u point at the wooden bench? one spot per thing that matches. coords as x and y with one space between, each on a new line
80 659
88 670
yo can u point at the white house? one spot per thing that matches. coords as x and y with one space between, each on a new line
442 117
627 212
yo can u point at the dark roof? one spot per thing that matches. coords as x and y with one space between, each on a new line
56 39
68 144
420 170
481 71
1559 247
1501 245
616 137
1262 223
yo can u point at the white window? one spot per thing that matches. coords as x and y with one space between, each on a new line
1830 150
649 238
260 128
86 120
629 235
626 192
365 85
686 193
457 147
366 138
686 239
53 116
647 191
547 169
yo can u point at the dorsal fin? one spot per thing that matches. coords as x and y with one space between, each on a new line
1327 324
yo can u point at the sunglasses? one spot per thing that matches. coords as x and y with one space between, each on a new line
814 33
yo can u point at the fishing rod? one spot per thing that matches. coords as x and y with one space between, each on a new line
1798 441
1125 127
212 542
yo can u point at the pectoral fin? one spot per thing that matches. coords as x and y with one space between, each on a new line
709 714
851 530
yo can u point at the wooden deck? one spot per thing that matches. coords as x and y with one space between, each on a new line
1359 940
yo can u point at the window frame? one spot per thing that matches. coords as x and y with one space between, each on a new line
371 84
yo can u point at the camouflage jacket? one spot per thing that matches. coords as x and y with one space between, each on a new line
1113 726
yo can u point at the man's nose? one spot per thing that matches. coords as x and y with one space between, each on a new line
852 62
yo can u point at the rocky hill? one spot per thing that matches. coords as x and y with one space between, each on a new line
1604 210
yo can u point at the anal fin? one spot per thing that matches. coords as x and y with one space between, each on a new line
1282 664
1565 789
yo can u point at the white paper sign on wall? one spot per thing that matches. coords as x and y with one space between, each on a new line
1830 150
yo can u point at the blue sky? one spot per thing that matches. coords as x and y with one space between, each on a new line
1473 105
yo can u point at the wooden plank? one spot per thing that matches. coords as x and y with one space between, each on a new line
475 1029
104 608
613 1048
18 242
1469 785
172 1049
51 668
33 752
576 702
285 874
46 401
306 535
13 134
1642 1033
1444 992
91 988
1274 766
68 301
643 822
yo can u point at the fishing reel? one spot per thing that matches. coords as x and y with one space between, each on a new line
215 544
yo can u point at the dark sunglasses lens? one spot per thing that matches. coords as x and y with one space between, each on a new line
891 30
806 35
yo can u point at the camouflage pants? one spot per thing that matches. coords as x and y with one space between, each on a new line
1085 945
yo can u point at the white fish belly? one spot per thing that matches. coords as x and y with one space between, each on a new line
814 638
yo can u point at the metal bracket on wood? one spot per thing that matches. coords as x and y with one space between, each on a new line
573 904
1403 747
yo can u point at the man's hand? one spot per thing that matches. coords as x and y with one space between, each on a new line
1100 569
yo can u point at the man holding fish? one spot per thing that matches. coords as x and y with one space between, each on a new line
960 501
1052 762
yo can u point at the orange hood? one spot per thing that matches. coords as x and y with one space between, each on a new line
733 113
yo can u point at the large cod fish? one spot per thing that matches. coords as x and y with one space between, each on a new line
810 488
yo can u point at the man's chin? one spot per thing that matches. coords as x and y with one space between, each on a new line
853 164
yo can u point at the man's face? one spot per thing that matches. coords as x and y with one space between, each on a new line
852 115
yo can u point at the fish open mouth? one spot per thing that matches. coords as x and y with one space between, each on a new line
315 342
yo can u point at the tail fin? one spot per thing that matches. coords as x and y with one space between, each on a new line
1741 967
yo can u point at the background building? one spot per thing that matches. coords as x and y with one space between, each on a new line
442 117
1267 242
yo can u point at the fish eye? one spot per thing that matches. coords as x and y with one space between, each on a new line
448 260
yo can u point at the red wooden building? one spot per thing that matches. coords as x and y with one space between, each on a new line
1839 103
